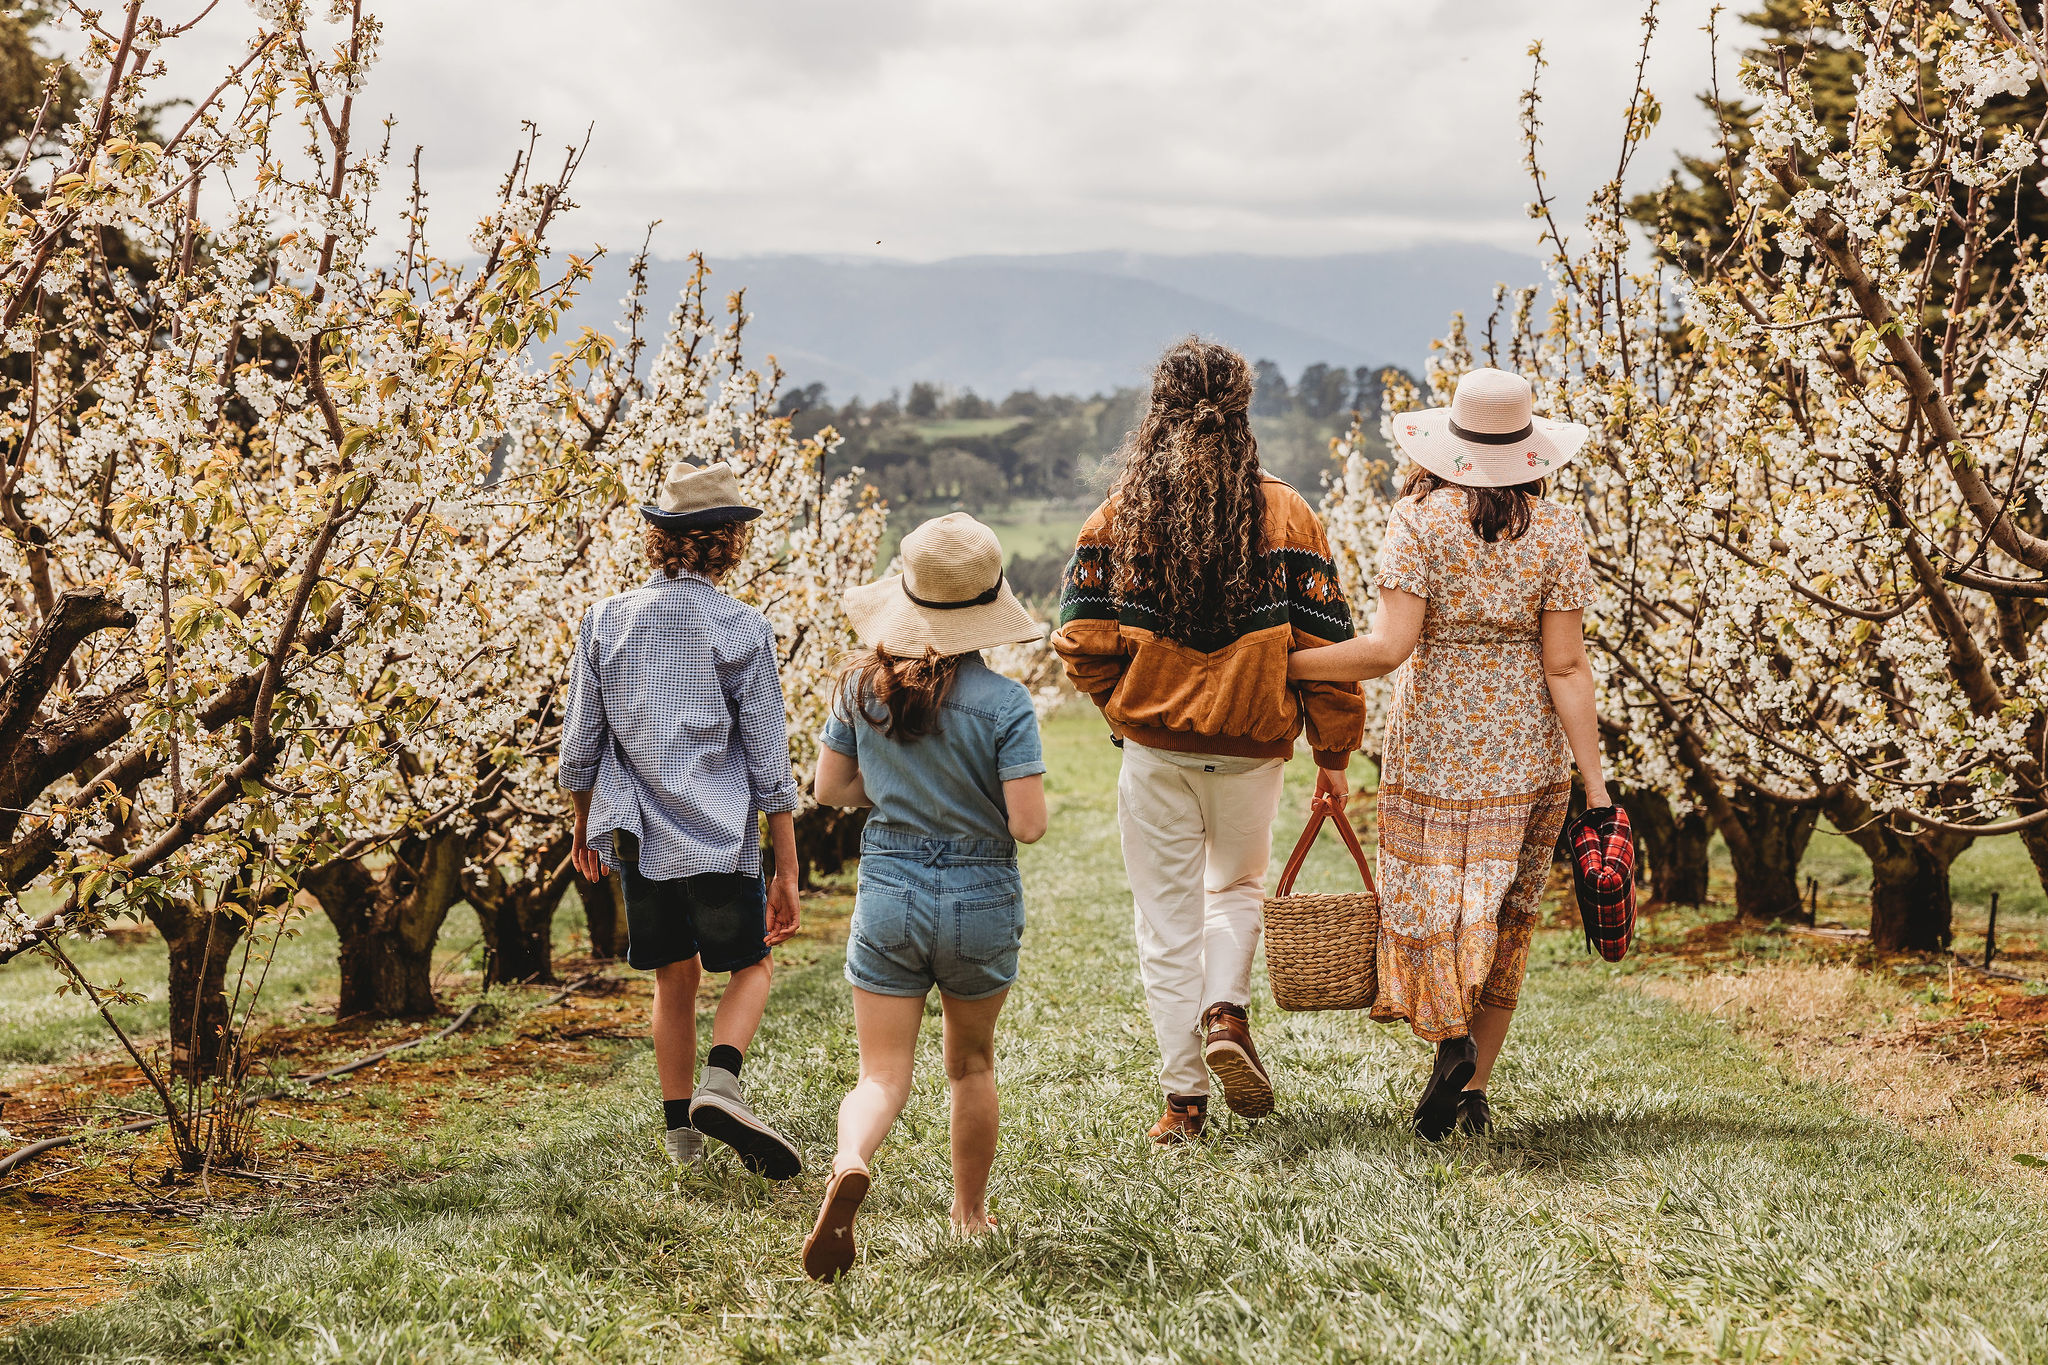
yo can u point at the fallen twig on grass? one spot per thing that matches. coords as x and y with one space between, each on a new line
1982 970
36 1149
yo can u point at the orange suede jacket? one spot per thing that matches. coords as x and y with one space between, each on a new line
1226 693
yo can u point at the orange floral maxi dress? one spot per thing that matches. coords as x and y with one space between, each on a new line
1475 774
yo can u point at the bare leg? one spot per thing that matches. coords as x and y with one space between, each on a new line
971 1072
1489 1029
741 1007
887 1028
674 1028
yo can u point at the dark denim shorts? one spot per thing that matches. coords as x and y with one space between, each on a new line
935 912
721 917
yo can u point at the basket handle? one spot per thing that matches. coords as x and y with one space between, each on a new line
1323 806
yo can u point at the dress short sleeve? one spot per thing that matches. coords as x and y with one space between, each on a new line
1018 753
1403 560
838 735
1571 575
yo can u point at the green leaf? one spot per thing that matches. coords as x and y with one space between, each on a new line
2029 1159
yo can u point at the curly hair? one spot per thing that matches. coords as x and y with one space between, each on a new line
711 551
1189 529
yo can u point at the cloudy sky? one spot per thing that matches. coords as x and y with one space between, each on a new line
930 128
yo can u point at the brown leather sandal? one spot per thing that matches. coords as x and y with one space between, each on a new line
829 1250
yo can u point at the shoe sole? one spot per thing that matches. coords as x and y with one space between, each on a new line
1247 1092
761 1149
829 1250
1437 1115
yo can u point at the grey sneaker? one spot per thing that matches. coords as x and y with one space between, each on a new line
719 1110
685 1146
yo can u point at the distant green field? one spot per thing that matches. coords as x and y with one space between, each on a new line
1027 527
953 428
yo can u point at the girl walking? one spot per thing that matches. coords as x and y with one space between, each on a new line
946 751
1187 592
1482 585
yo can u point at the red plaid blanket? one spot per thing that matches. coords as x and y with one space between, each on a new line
1604 871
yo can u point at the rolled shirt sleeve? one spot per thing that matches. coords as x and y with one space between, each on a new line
584 733
1018 751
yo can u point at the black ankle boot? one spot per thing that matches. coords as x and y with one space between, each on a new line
1437 1113
1475 1115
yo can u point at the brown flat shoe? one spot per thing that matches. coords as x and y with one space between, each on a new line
1228 1050
828 1251
1182 1121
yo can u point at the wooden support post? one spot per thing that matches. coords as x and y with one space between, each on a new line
1991 931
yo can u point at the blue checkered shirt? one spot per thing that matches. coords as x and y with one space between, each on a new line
675 723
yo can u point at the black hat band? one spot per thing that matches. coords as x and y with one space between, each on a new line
981 601
1492 438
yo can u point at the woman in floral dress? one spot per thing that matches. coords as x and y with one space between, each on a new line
1482 584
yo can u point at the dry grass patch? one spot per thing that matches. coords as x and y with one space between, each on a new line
1946 1052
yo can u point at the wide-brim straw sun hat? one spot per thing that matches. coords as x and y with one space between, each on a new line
692 497
951 597
1490 436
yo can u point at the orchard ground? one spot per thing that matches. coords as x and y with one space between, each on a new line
1739 1144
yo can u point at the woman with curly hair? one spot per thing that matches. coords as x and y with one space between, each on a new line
1189 588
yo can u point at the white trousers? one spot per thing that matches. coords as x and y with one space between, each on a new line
1198 835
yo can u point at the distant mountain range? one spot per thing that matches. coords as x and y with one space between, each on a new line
1079 323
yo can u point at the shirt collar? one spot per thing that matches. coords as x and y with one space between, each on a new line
662 580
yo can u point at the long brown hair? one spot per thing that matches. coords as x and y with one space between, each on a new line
712 551
1495 513
1189 529
909 690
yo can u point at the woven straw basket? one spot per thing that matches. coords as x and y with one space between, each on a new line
1322 951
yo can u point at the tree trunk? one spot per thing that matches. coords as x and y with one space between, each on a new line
826 840
1910 909
1767 881
1675 847
388 919
518 917
200 942
604 912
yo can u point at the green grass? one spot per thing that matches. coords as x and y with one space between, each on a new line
43 1026
957 428
1658 1191
1998 865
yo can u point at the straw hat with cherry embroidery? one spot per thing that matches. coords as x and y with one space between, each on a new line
1489 437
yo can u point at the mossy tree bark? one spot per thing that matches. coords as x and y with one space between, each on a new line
388 918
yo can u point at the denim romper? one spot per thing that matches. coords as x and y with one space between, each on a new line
944 912
940 901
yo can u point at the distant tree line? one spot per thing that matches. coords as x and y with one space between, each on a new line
938 448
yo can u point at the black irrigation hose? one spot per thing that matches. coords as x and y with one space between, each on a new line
36 1149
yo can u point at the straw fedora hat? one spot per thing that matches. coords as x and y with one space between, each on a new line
692 497
1489 437
949 599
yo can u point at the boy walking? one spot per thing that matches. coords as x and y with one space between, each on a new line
674 735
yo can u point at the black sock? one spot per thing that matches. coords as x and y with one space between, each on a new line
725 1057
676 1113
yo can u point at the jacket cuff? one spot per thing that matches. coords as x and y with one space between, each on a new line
1332 758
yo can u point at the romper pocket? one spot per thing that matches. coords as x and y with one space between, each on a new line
988 920
881 913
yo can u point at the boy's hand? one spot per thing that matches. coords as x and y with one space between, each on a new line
589 862
783 912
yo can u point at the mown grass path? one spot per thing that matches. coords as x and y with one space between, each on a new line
1657 1191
